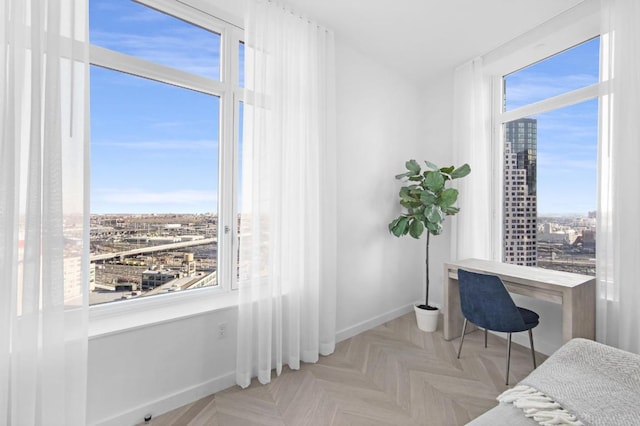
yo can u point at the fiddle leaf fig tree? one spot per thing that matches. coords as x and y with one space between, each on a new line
427 202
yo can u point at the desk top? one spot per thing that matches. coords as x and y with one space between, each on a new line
521 273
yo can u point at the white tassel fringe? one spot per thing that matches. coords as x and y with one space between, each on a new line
538 406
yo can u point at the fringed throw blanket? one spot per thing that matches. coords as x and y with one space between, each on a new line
583 383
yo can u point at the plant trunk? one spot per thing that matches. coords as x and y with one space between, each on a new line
426 303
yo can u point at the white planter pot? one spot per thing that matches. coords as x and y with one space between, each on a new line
427 319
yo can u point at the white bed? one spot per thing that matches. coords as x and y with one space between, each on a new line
583 382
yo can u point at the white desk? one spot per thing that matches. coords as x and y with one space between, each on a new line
576 293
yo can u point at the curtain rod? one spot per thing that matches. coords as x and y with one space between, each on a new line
299 15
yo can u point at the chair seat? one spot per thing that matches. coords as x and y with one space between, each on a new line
531 319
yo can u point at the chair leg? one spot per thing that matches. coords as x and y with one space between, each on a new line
485 338
533 351
508 359
464 329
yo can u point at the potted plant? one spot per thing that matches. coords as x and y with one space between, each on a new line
428 202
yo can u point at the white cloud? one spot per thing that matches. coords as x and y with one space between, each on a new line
157 145
143 15
181 49
175 197
531 88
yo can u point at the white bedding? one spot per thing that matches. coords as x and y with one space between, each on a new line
598 384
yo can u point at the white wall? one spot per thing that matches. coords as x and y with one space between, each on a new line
380 124
156 368
436 135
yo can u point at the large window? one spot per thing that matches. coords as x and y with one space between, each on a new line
165 92
549 133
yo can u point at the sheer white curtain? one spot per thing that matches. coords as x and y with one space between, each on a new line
472 227
43 108
618 231
287 233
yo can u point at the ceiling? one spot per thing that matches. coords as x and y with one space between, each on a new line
424 38
420 38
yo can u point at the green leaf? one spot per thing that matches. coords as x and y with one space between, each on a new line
434 228
399 226
434 214
404 175
413 167
416 228
431 165
410 195
461 171
427 197
434 181
447 170
451 210
415 191
410 202
448 197
405 194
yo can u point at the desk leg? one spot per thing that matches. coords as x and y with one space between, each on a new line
452 313
579 312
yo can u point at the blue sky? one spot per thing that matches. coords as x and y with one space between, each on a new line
155 147
567 137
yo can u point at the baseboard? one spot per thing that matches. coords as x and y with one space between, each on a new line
158 407
356 329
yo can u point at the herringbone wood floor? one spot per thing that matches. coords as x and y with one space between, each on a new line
391 375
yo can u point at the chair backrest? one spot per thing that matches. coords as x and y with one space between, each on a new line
486 303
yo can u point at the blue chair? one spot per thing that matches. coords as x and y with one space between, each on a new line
486 303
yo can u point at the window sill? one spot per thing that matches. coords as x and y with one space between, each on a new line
118 317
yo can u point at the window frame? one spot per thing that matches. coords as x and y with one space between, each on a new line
555 36
114 316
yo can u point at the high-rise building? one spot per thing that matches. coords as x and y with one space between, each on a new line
520 200
522 134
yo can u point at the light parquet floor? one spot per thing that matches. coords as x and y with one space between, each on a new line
394 374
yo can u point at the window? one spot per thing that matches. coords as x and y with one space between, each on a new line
549 134
165 103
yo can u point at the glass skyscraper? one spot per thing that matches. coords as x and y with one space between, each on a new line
520 200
